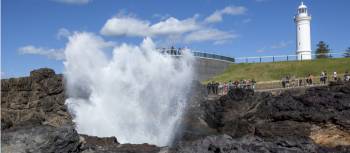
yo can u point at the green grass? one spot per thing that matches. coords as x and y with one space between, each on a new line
276 70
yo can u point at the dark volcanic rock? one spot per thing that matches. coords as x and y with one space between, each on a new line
312 120
35 119
40 139
39 98
226 144
91 144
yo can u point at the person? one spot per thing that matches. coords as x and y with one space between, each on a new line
253 84
220 88
284 82
287 81
213 87
209 87
325 77
335 76
236 83
322 77
346 76
230 85
225 88
216 87
310 79
300 82
293 80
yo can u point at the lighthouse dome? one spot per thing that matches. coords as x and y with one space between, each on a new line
302 5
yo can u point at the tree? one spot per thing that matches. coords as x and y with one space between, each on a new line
322 50
347 53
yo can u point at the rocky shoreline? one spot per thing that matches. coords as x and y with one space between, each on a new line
35 119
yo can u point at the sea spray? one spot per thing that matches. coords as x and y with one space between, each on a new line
136 94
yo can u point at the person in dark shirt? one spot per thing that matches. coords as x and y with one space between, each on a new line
284 82
216 87
209 87
213 87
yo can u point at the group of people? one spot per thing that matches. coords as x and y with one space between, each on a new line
309 79
219 88
335 77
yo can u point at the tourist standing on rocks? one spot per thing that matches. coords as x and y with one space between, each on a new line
209 87
346 76
335 76
225 88
253 84
284 82
220 88
310 79
287 81
213 87
323 77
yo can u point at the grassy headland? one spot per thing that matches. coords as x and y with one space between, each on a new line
277 70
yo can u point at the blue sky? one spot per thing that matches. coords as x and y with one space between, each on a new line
34 32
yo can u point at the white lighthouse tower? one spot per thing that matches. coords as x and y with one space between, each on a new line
303 44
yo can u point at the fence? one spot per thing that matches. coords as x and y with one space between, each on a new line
214 56
257 59
178 52
293 83
278 58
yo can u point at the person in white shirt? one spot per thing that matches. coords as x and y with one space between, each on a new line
335 76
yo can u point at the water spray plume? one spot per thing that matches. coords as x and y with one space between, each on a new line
137 94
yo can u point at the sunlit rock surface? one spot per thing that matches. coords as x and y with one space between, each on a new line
35 119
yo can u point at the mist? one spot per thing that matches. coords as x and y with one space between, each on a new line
132 92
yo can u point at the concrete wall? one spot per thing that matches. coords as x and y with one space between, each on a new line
207 68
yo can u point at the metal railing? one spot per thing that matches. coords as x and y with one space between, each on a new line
280 58
214 56
178 52
294 83
255 59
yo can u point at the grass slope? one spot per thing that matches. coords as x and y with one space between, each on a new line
276 70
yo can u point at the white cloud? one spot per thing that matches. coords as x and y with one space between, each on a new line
170 30
215 35
63 33
78 2
174 26
56 54
130 26
125 25
229 10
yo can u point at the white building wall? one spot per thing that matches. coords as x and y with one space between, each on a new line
303 42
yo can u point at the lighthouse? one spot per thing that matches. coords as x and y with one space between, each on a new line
303 44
